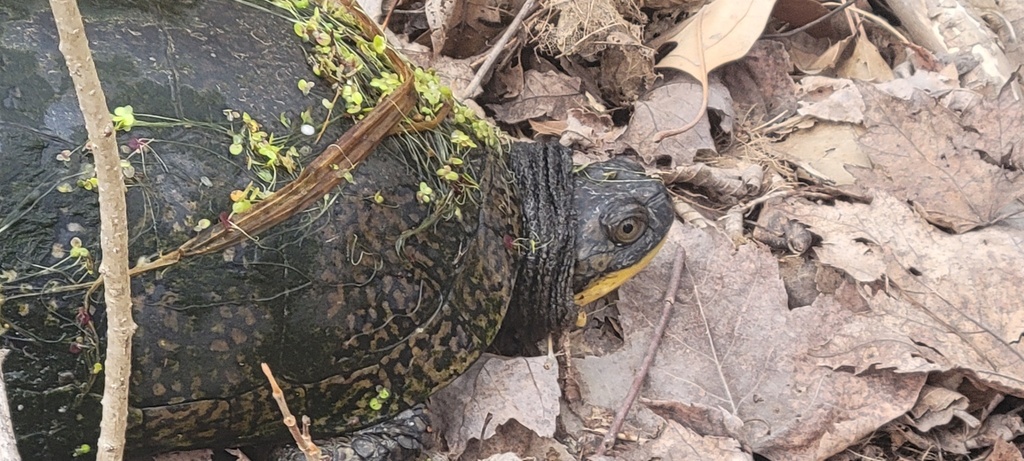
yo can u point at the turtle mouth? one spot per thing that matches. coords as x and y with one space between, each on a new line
604 284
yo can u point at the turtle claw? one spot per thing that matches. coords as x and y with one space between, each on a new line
400 438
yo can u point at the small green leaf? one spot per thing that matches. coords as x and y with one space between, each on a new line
379 44
123 118
241 206
82 450
202 224
235 149
97 368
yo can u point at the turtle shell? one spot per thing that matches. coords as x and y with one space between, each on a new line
362 304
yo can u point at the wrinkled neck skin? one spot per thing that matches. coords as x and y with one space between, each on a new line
542 301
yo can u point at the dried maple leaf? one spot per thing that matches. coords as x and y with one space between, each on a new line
665 107
495 390
922 154
1000 125
738 357
545 94
939 302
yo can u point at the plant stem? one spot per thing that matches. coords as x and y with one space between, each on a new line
652 349
113 226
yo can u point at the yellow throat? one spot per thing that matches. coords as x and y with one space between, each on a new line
608 282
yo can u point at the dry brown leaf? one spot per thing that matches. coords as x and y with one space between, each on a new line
813 57
549 127
921 154
678 443
1000 124
514 441
824 151
831 99
733 345
473 23
439 13
668 106
936 407
721 32
911 76
1004 451
937 301
589 130
760 82
493 391
545 94
503 457
864 63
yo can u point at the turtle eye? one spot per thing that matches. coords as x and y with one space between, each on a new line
628 230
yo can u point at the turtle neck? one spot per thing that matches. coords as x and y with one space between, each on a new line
542 300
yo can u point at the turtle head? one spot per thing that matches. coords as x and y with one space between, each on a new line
623 217
594 227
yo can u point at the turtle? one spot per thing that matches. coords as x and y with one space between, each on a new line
365 285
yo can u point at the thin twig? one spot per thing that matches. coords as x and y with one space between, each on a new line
652 349
485 68
878 22
301 435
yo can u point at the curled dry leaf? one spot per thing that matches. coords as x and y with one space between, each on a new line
936 407
734 346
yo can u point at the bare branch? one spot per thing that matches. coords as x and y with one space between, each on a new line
113 226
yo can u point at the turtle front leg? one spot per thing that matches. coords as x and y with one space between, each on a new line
400 438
